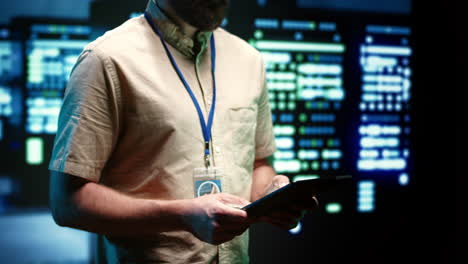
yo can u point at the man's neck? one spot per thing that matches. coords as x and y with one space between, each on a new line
186 28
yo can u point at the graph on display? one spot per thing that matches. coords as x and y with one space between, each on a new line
304 74
306 65
52 51
384 127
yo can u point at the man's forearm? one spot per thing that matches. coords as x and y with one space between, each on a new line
99 209
263 174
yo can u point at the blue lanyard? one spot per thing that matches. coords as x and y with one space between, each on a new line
206 127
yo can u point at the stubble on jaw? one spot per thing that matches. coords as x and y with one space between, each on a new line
205 15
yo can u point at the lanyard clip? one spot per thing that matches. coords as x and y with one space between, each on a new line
207 154
207 161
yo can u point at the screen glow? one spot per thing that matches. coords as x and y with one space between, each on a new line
34 151
52 51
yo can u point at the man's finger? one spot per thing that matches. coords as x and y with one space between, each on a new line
230 199
280 181
231 219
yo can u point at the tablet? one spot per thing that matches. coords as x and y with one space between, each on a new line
293 193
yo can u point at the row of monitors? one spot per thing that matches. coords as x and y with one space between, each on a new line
340 97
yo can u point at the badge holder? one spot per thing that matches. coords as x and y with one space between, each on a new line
207 181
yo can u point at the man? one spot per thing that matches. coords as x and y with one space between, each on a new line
149 106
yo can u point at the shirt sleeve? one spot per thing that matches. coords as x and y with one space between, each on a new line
88 122
264 136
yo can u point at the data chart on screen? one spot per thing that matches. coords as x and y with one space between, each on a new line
384 121
304 78
52 51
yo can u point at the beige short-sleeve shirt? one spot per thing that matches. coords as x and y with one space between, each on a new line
127 122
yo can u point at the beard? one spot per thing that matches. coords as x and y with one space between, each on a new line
205 15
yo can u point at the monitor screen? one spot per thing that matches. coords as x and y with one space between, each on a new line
384 104
304 77
10 76
340 92
47 51
51 52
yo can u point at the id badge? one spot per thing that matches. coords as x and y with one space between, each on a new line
207 181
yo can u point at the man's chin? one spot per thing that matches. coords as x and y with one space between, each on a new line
205 20
212 27
206 26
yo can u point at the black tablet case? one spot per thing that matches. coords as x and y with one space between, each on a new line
293 193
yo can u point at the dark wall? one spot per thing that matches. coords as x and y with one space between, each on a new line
437 98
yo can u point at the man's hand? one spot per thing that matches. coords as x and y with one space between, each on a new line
214 219
287 218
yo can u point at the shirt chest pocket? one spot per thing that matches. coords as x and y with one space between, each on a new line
242 127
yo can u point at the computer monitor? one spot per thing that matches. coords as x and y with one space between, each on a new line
340 85
10 114
49 50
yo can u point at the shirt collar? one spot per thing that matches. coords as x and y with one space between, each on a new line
173 34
